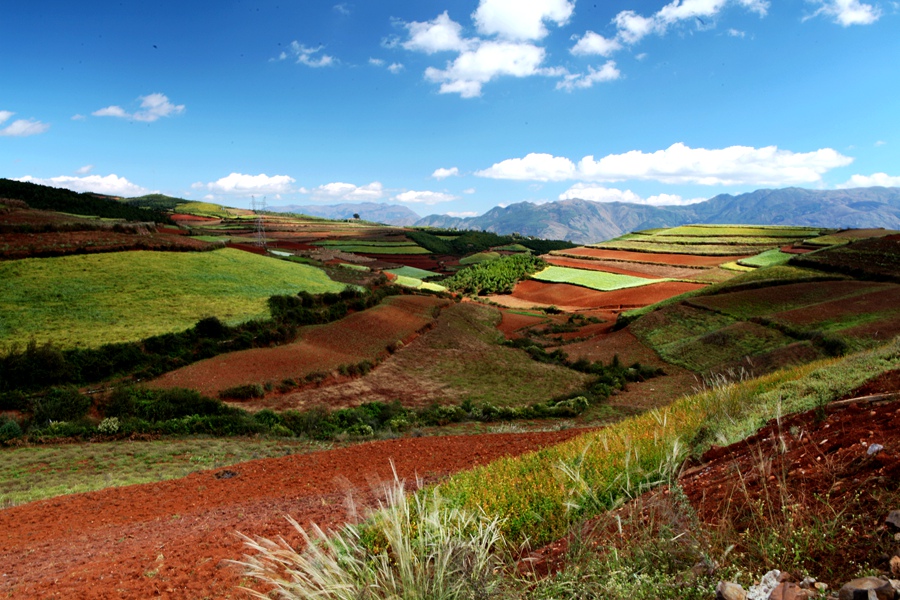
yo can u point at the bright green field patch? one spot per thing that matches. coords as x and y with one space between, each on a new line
212 238
406 271
766 259
660 246
37 472
90 300
512 248
354 267
203 209
736 266
596 280
418 284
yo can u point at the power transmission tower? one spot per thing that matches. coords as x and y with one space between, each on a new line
258 208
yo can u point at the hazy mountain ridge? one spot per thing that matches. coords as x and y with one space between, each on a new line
583 221
391 214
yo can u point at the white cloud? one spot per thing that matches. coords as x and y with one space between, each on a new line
462 215
342 8
847 12
395 68
471 69
469 191
736 33
735 165
79 117
875 179
632 26
880 143
85 169
593 43
238 183
680 10
347 192
440 35
21 127
304 55
152 108
424 197
573 81
443 173
111 185
602 194
679 164
377 62
517 20
534 167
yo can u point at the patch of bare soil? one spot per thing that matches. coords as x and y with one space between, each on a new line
321 348
654 257
173 539
573 297
635 269
61 243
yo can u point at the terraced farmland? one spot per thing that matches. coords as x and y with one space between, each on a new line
596 280
712 240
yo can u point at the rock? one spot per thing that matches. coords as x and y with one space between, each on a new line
867 588
895 566
768 583
730 591
791 591
874 449
893 519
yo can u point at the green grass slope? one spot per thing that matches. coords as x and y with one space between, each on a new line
90 300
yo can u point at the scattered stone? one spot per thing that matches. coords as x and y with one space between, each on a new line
895 566
874 449
820 586
893 519
226 474
730 591
791 591
867 588
768 583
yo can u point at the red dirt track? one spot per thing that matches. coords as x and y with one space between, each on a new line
172 539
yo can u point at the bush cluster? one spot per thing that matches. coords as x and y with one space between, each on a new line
496 276
467 242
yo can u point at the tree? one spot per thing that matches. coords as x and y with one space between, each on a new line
356 215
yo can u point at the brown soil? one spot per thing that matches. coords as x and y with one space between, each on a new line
511 323
573 297
635 269
173 539
57 243
180 218
885 303
322 348
428 262
653 257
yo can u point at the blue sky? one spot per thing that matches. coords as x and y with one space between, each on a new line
451 106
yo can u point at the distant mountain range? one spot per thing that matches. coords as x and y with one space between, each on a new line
392 214
584 222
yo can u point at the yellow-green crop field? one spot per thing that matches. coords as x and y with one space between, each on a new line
596 280
90 300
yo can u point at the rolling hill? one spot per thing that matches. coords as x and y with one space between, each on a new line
390 214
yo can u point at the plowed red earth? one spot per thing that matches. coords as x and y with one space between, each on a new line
322 348
653 257
173 539
566 295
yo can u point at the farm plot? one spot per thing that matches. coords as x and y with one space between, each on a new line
745 231
413 272
659 258
730 344
572 297
595 280
701 249
873 258
859 313
776 299
361 336
377 248
767 259
90 300
61 243
634 269
459 359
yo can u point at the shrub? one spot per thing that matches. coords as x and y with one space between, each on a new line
9 430
243 392
59 404
109 425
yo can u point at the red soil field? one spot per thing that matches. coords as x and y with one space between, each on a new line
173 539
29 216
567 295
428 262
178 218
27 245
653 257
884 303
511 323
247 248
591 265
321 348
